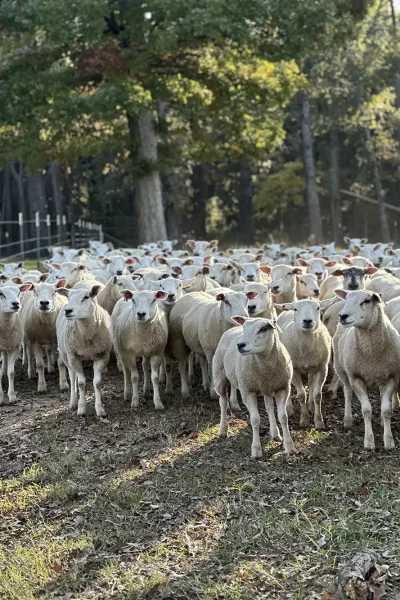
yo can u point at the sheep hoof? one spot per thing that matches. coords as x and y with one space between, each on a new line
159 406
319 425
369 445
12 399
3 400
42 389
135 404
64 387
305 422
101 413
223 433
290 449
275 435
348 422
389 444
51 370
81 412
256 452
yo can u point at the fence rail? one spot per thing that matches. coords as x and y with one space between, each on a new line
44 232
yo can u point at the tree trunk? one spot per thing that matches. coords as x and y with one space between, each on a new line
314 210
149 202
55 174
171 216
245 194
37 202
334 180
6 212
380 194
200 196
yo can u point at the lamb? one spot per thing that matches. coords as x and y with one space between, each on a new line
83 333
252 359
261 305
307 286
13 269
317 267
353 279
174 288
118 264
283 285
355 243
39 315
141 329
11 335
110 294
203 248
224 274
73 272
252 271
367 352
309 345
197 323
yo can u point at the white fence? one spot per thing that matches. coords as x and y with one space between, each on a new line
45 232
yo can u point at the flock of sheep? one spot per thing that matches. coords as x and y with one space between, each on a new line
257 320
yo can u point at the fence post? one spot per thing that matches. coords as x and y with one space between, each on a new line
64 227
72 226
48 223
101 234
58 221
37 223
21 233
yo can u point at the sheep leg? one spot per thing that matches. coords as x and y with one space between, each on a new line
302 397
98 368
38 352
146 374
76 365
162 374
185 392
395 400
250 401
273 427
360 390
213 393
73 400
317 383
29 359
334 385
281 401
233 399
191 367
127 382
3 400
24 352
134 383
3 363
168 376
310 403
289 407
387 392
223 424
204 373
11 358
50 359
348 396
62 372
156 362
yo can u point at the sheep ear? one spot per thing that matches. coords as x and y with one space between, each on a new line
206 270
239 320
161 295
389 252
130 261
229 252
105 261
331 263
213 243
302 262
327 302
286 306
161 260
234 264
20 265
126 294
44 277
388 270
16 280
61 283
342 294
220 296
207 259
346 260
177 270
54 266
364 240
25 287
297 270
189 262
137 276
347 240
377 246
376 297
252 295
81 251
191 243
81 268
95 290
63 291
265 269
337 273
370 270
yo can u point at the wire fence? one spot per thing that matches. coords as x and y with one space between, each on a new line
33 238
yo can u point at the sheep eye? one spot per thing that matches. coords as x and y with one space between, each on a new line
263 329
85 298
367 301
318 308
295 309
2 295
228 303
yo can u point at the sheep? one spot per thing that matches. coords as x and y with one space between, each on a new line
307 286
117 265
351 278
367 352
83 333
174 288
357 261
317 267
283 286
272 250
200 280
141 329
73 272
110 294
252 359
38 315
203 248
224 274
12 269
261 305
252 271
11 335
197 322
309 345
355 244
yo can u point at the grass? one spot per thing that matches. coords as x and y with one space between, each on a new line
142 505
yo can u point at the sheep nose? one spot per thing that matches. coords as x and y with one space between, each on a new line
213 277
196 254
252 308
119 272
44 302
171 297
353 286
15 305
68 311
316 292
343 318
307 322
141 316
241 346
318 275
250 277
275 289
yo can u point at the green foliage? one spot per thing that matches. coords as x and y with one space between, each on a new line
280 189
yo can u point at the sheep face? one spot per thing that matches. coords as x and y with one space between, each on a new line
328 248
12 269
282 279
353 278
46 294
144 304
9 297
308 286
272 250
360 309
172 287
117 265
68 270
258 335
306 314
222 273
202 248
81 303
257 304
355 243
234 303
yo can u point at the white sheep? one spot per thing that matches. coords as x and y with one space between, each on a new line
110 293
39 315
11 335
83 333
307 286
283 285
140 329
309 345
367 352
203 248
252 359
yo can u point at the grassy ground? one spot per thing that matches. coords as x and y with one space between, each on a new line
156 506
